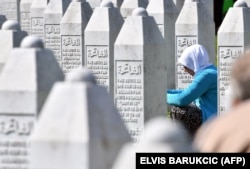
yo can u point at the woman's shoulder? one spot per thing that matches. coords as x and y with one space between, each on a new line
208 73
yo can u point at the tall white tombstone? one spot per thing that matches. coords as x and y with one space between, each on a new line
11 37
193 25
73 24
36 17
52 32
25 83
140 71
128 6
25 15
165 14
12 10
89 133
100 35
233 39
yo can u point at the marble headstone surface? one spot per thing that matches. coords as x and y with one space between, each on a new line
193 25
25 15
94 134
100 35
140 67
25 83
36 17
233 40
73 25
165 14
2 8
52 31
12 10
162 136
11 37
128 6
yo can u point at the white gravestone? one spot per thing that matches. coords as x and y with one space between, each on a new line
100 35
128 6
25 15
25 83
52 32
89 133
193 25
2 7
36 17
73 24
12 10
140 67
162 136
233 40
11 37
165 14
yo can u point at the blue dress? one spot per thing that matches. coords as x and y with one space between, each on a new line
202 92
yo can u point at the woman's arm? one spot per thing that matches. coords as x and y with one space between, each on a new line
199 85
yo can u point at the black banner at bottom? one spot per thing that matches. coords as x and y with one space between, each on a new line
193 160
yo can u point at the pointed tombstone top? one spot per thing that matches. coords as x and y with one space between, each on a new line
140 12
240 3
172 133
107 3
81 74
11 25
32 42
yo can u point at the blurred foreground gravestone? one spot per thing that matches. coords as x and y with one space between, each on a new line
79 126
11 37
25 83
140 71
100 35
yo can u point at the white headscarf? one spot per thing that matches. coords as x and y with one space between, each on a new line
195 57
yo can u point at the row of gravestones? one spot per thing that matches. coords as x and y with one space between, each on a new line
139 81
84 129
